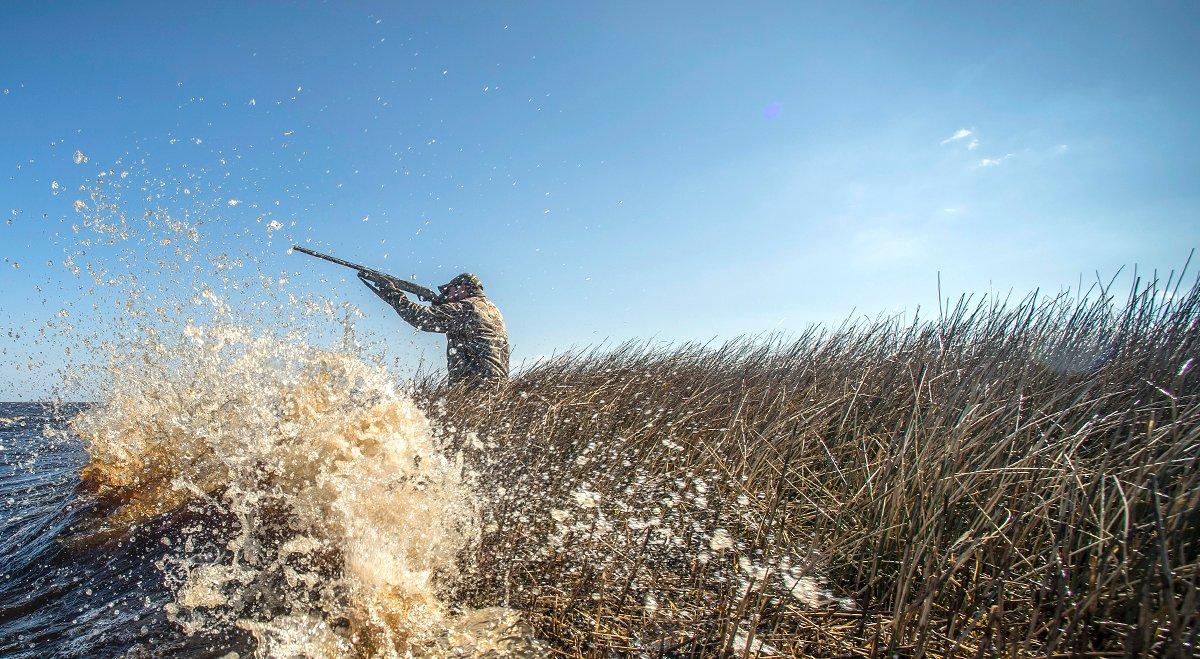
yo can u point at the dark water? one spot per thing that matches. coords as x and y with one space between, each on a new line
62 600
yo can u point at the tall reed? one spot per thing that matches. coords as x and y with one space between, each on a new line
1004 479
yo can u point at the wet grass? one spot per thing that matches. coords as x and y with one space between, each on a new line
1003 479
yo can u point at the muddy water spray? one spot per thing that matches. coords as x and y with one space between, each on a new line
346 515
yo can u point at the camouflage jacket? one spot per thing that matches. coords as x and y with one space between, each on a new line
476 339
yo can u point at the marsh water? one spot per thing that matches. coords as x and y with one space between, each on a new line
56 600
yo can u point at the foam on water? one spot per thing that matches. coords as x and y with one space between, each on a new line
344 517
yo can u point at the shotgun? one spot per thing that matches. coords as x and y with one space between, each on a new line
402 284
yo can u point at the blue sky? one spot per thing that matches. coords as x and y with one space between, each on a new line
680 171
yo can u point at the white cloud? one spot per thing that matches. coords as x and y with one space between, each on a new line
1062 148
973 145
992 162
959 134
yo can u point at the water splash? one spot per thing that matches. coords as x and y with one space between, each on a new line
343 517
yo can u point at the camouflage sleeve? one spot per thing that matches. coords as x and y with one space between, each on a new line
448 317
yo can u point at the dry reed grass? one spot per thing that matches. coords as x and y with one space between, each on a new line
1004 480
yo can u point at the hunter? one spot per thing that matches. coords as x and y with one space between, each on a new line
476 339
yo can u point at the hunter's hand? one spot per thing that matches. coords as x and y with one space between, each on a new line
381 287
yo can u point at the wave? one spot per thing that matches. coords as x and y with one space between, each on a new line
320 512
